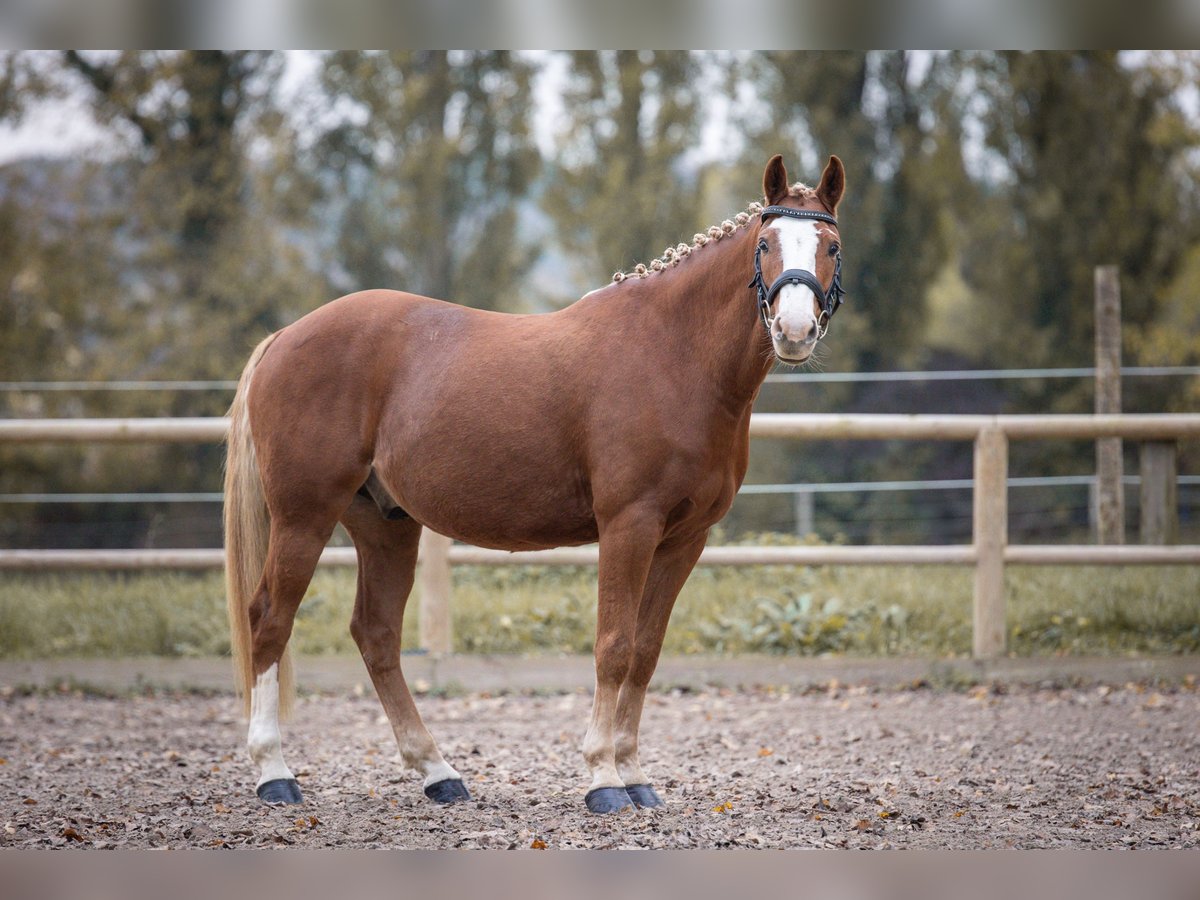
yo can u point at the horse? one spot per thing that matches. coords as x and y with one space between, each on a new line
621 419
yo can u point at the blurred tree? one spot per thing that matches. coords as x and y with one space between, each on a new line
1099 168
428 160
164 253
623 187
892 118
196 230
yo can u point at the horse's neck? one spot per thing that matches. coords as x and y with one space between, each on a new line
709 306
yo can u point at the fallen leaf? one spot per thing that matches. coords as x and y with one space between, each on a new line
538 844
765 751
723 807
71 834
862 825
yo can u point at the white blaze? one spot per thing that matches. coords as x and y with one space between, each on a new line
798 243
263 739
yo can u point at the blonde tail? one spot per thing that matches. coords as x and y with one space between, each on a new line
247 529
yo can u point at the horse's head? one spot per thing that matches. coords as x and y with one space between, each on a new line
798 259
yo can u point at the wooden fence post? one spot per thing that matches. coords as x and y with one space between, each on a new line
1159 497
433 572
1110 491
805 513
991 536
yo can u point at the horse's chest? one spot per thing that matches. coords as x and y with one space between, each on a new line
708 497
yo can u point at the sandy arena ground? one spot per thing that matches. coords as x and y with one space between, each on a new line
841 767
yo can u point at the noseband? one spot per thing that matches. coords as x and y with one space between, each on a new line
830 299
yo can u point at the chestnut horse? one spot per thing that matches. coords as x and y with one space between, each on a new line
623 418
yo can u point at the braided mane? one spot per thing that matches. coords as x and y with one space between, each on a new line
673 255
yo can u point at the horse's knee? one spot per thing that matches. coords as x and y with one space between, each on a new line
378 644
625 745
641 669
614 653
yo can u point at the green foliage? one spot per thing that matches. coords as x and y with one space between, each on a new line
617 196
793 625
1101 171
893 126
112 615
861 611
983 188
428 171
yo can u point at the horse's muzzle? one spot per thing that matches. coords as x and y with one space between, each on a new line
794 352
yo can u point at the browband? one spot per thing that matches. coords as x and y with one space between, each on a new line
798 214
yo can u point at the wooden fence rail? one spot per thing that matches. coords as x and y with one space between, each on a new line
989 551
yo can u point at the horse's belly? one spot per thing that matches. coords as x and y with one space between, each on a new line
503 528
525 512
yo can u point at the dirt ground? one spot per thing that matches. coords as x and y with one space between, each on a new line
838 767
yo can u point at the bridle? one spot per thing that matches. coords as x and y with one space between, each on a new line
830 299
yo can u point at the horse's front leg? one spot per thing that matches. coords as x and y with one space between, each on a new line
669 570
627 544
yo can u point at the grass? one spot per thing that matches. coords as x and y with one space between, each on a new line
864 611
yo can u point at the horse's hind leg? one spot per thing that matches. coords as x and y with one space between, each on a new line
387 558
291 559
668 571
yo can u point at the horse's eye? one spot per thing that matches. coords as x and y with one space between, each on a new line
834 249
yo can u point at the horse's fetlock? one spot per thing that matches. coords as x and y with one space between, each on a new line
626 747
262 742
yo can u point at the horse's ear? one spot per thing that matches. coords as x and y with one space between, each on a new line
775 181
833 184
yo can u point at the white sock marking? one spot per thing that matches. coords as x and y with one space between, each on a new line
263 738
438 771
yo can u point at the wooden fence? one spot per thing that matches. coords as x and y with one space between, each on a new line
989 551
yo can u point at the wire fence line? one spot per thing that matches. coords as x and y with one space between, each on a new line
834 487
774 378
975 374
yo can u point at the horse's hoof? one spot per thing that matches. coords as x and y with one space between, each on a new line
643 796
281 790
449 790
607 800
